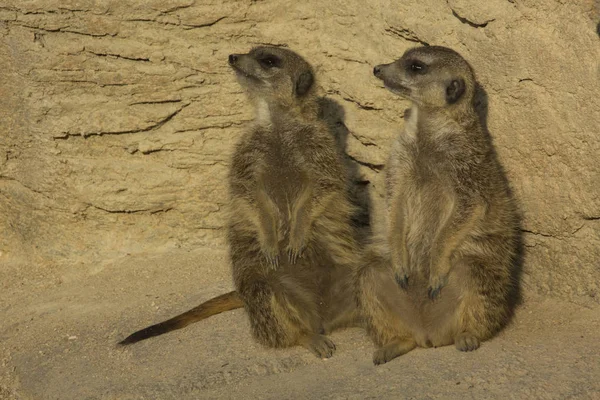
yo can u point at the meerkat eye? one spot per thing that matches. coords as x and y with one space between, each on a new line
269 61
418 67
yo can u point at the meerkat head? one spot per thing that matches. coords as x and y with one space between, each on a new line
434 77
274 75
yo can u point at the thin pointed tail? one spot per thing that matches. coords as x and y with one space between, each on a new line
217 305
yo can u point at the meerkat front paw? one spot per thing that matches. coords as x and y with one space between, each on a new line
401 275
270 250
436 283
295 247
272 257
294 254
401 279
297 243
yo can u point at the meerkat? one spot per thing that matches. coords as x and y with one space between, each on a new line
293 248
444 272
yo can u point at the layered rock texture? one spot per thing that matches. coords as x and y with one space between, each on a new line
118 119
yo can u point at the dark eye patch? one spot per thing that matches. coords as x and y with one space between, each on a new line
417 67
269 61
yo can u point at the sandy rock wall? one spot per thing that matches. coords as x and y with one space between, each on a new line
117 118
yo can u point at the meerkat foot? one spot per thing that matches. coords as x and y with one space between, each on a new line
436 283
319 345
466 342
392 350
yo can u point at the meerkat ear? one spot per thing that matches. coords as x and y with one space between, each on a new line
454 90
303 83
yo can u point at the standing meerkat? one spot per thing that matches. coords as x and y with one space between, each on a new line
293 248
292 245
446 269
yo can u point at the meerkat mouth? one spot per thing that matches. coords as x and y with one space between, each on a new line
240 73
398 89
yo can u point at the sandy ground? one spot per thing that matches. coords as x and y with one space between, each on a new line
59 328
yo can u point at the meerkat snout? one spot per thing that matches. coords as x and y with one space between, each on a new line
377 71
233 58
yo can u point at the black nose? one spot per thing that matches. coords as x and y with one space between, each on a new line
377 71
232 58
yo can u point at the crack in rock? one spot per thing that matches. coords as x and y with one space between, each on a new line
406 34
157 125
167 101
150 211
471 23
204 25
115 55
353 100
372 166
63 30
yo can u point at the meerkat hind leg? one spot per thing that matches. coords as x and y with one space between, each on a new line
396 348
389 310
268 233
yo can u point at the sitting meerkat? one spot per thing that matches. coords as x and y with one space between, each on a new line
445 270
293 248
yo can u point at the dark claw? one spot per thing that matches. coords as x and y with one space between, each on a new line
434 293
273 261
402 281
294 255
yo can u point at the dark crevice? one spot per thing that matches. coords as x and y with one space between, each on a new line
118 56
205 25
591 218
149 128
118 211
360 105
176 8
150 151
63 30
131 211
352 100
374 167
362 141
471 23
539 233
284 45
406 34
93 82
155 102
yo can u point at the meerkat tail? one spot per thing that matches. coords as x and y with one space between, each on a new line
217 305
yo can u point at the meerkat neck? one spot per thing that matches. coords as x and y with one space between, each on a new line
272 112
263 113
461 115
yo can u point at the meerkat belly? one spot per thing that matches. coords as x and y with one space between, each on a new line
284 185
422 222
285 177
